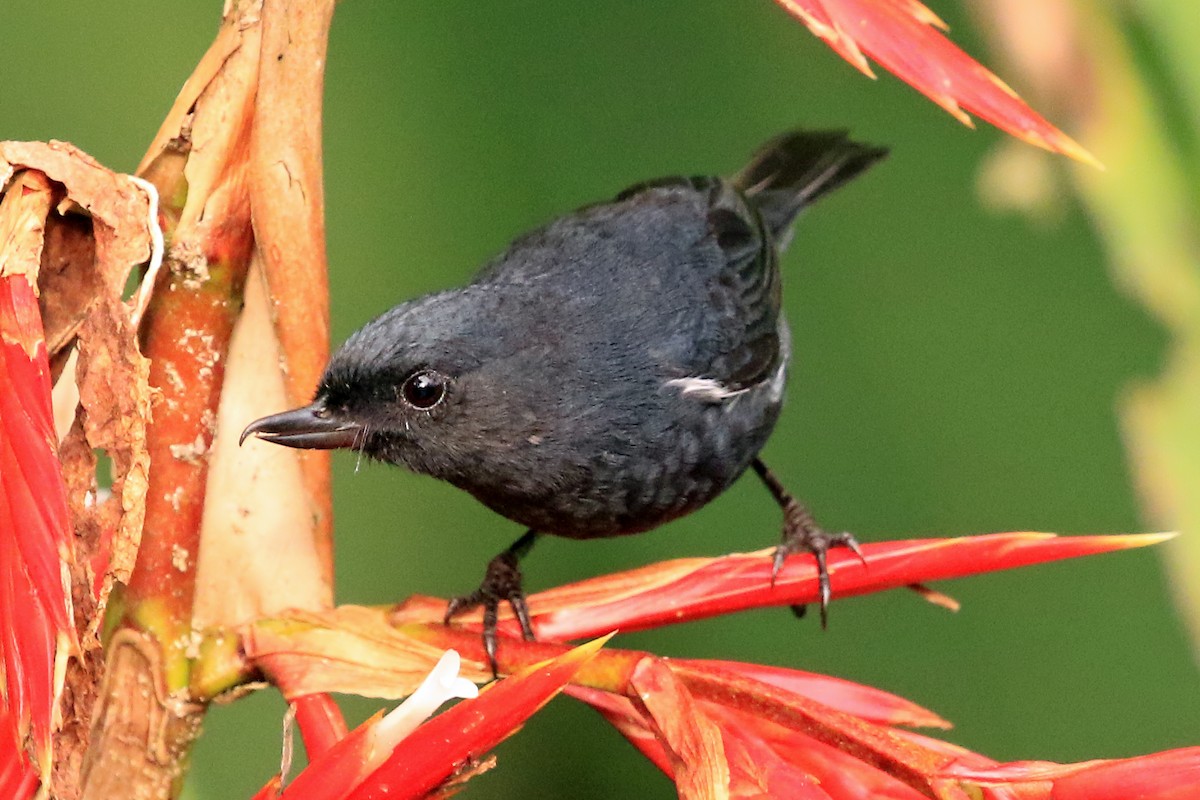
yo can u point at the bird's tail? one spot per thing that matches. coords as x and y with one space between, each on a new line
792 170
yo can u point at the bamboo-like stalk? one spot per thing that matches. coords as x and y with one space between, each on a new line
145 719
238 164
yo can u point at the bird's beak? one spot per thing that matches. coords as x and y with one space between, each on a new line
309 428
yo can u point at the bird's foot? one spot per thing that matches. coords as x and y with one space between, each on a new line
501 582
801 534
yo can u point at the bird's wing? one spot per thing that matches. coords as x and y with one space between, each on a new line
677 276
749 216
739 298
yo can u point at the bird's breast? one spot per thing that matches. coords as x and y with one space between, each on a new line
640 469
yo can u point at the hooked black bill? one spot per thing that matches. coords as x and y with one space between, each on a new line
308 428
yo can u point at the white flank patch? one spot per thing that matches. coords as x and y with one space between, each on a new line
713 391
778 381
708 389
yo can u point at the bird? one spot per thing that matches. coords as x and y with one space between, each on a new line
613 370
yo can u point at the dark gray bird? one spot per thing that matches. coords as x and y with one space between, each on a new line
612 371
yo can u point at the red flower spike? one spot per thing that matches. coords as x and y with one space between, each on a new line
776 736
842 775
1170 775
695 588
865 702
692 740
903 37
321 723
36 625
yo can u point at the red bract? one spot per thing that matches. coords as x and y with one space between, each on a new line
695 588
750 739
1170 775
839 775
903 36
757 771
873 705
777 741
690 739
35 538
754 739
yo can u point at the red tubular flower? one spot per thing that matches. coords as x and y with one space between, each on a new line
320 721
904 37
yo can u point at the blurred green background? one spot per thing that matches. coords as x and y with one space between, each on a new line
956 370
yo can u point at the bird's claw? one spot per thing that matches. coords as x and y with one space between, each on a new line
501 583
801 535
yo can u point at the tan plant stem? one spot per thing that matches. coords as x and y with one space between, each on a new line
233 196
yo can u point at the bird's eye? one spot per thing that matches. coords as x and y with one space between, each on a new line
424 389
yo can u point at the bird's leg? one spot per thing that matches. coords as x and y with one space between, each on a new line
501 582
802 534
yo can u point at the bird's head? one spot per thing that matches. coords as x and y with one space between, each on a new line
396 390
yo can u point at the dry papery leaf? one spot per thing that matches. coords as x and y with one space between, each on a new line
100 232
